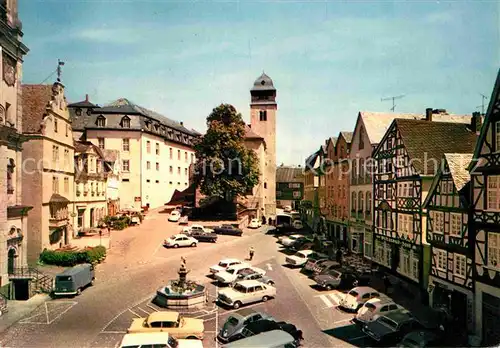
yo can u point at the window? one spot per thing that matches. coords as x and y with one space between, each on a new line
55 184
353 201
414 268
459 265
404 262
157 166
456 224
148 146
101 142
179 170
296 194
55 125
437 218
66 158
78 112
178 155
368 244
170 153
361 145
55 154
368 203
361 197
405 225
126 144
148 180
185 157
263 115
157 148
192 158
497 136
126 122
493 192
157 181
185 171
126 165
171 170
441 259
148 165
10 176
494 250
101 122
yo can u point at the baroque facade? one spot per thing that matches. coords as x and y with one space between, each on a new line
13 214
155 152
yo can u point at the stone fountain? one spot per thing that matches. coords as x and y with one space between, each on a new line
181 293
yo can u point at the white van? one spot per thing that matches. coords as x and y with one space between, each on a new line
269 339
157 340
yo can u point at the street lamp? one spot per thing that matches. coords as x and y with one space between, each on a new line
100 237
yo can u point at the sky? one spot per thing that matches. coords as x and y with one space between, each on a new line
328 59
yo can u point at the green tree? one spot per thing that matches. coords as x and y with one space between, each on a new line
225 167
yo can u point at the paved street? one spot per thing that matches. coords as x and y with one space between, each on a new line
137 265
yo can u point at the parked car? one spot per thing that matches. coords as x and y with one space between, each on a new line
422 339
301 257
324 266
287 209
225 263
156 339
301 244
180 240
196 228
269 339
247 291
236 322
174 216
228 230
251 274
391 327
311 264
261 326
172 322
374 308
183 220
287 241
255 223
231 273
202 236
357 297
297 224
73 280
345 277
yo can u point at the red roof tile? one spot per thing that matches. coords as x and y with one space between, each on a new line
35 99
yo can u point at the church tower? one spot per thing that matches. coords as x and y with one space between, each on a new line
263 110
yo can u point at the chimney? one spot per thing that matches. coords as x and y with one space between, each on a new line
428 114
182 123
476 122
86 97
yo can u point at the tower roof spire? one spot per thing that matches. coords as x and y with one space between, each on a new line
263 83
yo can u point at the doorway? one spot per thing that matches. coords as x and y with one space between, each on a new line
21 289
11 263
92 217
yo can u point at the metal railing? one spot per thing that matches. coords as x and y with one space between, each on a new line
42 282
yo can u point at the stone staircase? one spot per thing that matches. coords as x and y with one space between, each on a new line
39 282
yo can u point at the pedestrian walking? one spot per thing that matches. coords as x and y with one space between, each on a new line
251 252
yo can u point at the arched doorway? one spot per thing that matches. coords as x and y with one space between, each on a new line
11 264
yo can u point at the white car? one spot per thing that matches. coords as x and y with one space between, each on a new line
357 297
287 209
255 223
299 259
287 241
297 224
180 240
174 216
196 228
231 273
246 291
224 264
157 339
376 307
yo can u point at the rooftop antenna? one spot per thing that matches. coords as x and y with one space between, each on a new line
60 63
393 100
482 103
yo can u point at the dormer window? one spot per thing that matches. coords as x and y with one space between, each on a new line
78 112
157 127
148 125
89 112
263 115
101 121
126 122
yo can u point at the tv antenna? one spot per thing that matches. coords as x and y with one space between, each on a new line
482 103
394 98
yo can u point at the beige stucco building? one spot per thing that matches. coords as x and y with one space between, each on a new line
155 152
48 167
13 214
261 137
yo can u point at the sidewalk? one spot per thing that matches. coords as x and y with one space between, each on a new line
18 310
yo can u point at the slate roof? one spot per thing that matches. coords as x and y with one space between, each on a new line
35 99
83 104
427 141
250 134
377 123
347 136
331 140
110 155
289 174
263 83
458 164
84 146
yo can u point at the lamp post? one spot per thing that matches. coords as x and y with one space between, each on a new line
100 237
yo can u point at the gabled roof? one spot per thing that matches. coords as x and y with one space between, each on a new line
493 108
35 99
426 142
457 164
331 140
250 134
289 174
377 123
347 136
84 146
311 161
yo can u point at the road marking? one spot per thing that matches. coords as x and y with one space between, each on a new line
123 311
269 267
64 311
142 310
113 332
134 313
156 310
342 321
326 301
157 248
47 313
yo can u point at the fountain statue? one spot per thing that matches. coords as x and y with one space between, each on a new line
181 292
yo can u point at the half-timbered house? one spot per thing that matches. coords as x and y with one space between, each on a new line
447 206
485 179
406 160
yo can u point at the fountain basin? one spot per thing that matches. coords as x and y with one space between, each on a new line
193 295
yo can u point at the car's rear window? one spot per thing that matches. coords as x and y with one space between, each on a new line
388 322
64 278
334 273
223 264
353 293
232 321
370 306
